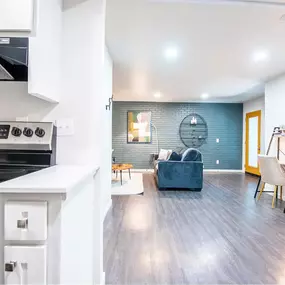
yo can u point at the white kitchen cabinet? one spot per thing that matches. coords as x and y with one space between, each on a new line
72 252
16 15
25 221
45 52
25 265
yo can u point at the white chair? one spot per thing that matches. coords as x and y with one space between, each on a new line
271 173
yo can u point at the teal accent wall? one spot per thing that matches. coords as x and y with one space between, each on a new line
225 122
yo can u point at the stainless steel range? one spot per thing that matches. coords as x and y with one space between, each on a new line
26 147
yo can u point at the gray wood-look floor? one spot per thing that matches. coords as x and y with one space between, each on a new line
219 236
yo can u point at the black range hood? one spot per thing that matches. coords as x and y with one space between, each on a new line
14 59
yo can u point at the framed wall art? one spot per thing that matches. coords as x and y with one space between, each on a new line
139 127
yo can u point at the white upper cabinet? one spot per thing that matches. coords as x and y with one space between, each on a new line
16 15
45 52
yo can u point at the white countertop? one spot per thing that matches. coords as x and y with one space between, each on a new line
55 179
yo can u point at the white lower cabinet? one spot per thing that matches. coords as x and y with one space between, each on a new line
25 224
25 265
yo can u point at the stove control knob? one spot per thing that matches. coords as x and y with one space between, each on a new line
16 132
40 132
28 132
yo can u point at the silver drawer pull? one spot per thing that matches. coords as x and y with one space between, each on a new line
22 224
10 266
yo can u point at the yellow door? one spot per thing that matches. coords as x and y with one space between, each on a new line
252 141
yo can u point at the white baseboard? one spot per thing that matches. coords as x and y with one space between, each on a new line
224 170
103 279
205 170
142 170
107 208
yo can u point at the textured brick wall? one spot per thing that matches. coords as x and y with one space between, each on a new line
224 122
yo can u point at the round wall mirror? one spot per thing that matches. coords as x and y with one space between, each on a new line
193 130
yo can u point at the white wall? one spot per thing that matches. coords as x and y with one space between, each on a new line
274 109
107 133
16 102
251 106
82 97
274 114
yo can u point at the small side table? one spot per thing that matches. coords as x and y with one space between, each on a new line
120 167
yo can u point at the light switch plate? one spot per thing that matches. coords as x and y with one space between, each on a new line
65 127
217 140
217 162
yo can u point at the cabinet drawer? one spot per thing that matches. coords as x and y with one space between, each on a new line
25 265
25 221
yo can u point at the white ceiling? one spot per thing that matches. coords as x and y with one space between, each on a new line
215 42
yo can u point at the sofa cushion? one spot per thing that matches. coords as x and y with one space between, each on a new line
175 157
180 174
192 154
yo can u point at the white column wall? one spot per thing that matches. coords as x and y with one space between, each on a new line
107 133
82 100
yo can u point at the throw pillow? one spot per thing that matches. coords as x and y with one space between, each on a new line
175 157
169 154
163 154
192 154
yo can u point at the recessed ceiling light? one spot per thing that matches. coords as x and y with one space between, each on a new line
260 56
171 53
157 94
205 96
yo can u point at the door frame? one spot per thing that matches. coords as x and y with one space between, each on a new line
249 169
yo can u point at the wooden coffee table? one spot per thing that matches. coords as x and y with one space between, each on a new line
120 167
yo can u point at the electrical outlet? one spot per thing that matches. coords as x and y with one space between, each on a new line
22 119
217 162
65 127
